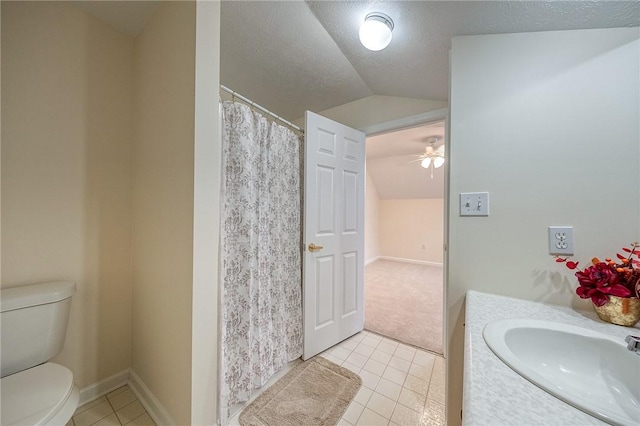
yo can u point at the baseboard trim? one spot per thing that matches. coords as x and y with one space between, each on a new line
414 261
103 387
149 401
373 259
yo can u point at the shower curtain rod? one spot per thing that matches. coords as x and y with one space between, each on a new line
266 111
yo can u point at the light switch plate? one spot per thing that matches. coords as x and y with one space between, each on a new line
474 204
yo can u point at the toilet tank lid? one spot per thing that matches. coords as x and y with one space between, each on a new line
35 294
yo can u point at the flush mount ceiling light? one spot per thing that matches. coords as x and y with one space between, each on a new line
432 157
375 31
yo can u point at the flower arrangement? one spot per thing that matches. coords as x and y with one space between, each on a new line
608 278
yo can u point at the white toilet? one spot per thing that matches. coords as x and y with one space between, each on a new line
34 323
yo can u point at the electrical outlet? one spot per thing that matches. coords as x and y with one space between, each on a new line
561 240
474 204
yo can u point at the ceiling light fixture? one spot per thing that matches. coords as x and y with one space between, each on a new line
432 158
375 31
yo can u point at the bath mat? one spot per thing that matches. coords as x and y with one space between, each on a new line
315 392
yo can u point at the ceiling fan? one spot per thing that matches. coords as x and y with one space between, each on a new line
432 157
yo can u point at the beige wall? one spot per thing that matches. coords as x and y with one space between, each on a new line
67 83
163 205
377 109
412 229
547 123
371 222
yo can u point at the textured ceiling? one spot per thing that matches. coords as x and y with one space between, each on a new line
290 56
293 56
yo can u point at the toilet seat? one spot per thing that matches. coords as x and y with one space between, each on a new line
41 395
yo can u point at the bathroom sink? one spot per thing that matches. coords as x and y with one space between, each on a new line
589 370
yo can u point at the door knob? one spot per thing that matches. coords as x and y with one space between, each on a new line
314 248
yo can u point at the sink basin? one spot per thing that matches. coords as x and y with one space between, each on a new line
593 372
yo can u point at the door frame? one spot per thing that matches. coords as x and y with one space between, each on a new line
415 121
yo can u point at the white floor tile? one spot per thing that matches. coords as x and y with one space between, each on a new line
93 414
369 380
421 371
381 405
351 367
435 414
357 337
406 416
363 395
436 393
117 391
357 359
417 385
387 346
121 399
371 341
400 364
424 358
364 349
349 344
129 412
90 404
340 352
353 412
394 375
334 359
388 389
370 418
143 420
412 399
374 367
110 420
381 356
404 353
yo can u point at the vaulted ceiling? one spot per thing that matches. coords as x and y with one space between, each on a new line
294 55
290 56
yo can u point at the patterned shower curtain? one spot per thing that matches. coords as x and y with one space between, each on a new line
261 297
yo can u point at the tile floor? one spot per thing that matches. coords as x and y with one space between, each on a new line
401 385
120 407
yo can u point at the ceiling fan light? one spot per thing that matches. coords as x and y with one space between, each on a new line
438 162
375 31
426 162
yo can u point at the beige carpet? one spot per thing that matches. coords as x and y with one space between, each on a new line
315 392
403 301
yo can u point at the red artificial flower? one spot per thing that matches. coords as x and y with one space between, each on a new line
603 279
599 281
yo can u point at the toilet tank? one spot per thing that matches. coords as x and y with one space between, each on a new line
33 323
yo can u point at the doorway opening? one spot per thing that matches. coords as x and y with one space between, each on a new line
404 236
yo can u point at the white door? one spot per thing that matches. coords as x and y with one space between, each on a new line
334 224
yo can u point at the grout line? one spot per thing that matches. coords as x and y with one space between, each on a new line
133 420
113 411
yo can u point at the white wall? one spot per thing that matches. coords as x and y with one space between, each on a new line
206 216
163 206
376 110
548 124
412 229
371 222
67 84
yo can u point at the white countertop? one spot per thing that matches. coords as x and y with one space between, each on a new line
496 395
